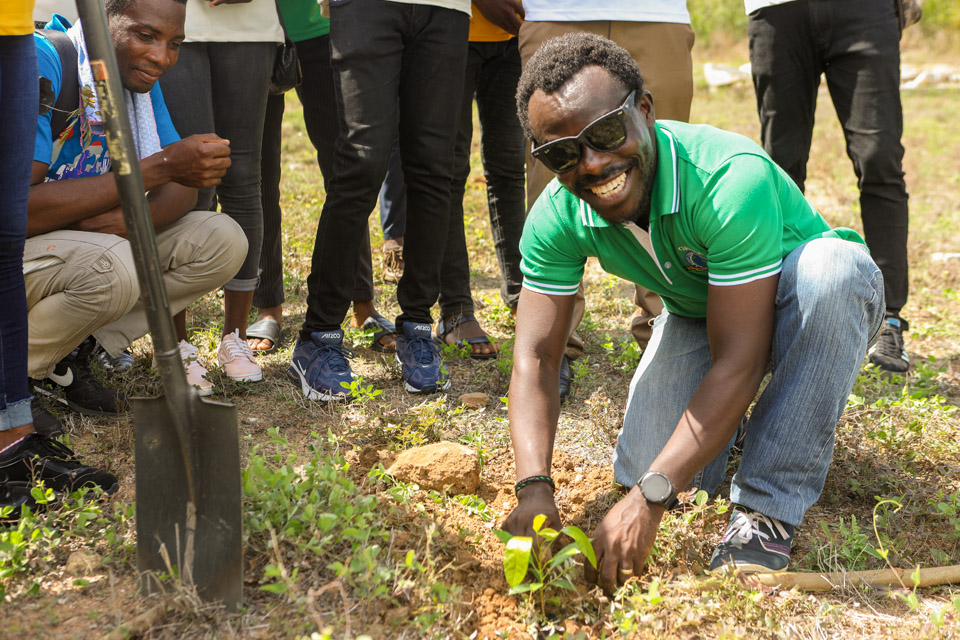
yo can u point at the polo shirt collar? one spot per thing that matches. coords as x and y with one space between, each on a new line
666 185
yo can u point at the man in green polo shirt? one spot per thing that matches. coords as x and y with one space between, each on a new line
753 279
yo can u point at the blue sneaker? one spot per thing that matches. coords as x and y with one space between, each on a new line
422 368
319 366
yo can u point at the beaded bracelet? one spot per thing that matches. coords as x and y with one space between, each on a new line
528 481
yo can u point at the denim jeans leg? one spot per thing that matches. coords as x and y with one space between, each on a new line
18 99
240 73
502 153
829 307
188 94
393 197
672 366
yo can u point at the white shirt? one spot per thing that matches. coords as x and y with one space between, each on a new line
753 5
254 21
619 10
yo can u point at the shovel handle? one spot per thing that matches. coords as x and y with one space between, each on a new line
136 212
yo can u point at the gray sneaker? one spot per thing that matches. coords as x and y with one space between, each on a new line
753 543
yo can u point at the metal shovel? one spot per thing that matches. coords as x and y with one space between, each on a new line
187 450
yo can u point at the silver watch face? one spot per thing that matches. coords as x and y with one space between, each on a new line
655 487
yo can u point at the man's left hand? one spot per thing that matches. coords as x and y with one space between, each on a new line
623 541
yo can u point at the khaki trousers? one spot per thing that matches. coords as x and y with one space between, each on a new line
81 283
662 51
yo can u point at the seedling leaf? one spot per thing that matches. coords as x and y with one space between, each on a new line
516 559
503 536
583 543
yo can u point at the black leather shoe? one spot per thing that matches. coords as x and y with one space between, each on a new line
566 376
37 458
44 422
13 495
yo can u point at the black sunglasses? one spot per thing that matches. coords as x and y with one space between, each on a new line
606 133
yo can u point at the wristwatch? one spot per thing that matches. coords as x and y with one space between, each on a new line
658 489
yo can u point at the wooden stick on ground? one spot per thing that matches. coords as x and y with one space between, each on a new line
827 581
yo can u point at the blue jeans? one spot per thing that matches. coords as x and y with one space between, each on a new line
829 307
393 198
18 103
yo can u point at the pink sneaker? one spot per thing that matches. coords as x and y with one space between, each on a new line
196 372
237 359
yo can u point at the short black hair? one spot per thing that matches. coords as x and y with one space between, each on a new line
559 59
119 7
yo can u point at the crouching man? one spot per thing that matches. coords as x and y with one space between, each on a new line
753 279
78 265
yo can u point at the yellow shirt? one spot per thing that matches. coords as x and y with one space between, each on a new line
482 30
16 17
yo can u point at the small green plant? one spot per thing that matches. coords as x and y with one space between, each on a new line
361 393
476 440
457 350
522 557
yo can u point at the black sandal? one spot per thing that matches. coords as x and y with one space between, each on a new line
445 328
384 328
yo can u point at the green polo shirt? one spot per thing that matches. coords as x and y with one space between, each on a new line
722 213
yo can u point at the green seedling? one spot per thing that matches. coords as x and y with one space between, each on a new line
361 393
522 559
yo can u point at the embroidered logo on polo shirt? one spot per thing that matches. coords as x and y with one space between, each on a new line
695 261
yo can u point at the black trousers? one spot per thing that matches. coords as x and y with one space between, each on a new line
492 73
319 102
387 56
856 43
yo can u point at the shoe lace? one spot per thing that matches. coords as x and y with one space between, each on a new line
233 345
189 353
890 342
50 448
746 525
333 355
421 347
393 258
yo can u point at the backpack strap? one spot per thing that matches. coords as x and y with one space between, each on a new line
69 98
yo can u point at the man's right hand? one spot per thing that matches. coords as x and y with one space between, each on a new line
535 499
199 161
506 14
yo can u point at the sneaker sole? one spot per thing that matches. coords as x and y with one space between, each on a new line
84 411
296 377
745 568
430 388
255 378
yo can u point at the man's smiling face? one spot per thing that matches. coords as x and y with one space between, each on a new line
616 184
147 38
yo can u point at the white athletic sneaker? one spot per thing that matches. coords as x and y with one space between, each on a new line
196 372
237 359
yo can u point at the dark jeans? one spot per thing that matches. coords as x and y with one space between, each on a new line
316 94
18 127
221 87
393 198
493 70
856 43
388 55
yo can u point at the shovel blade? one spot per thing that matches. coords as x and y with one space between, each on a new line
188 497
